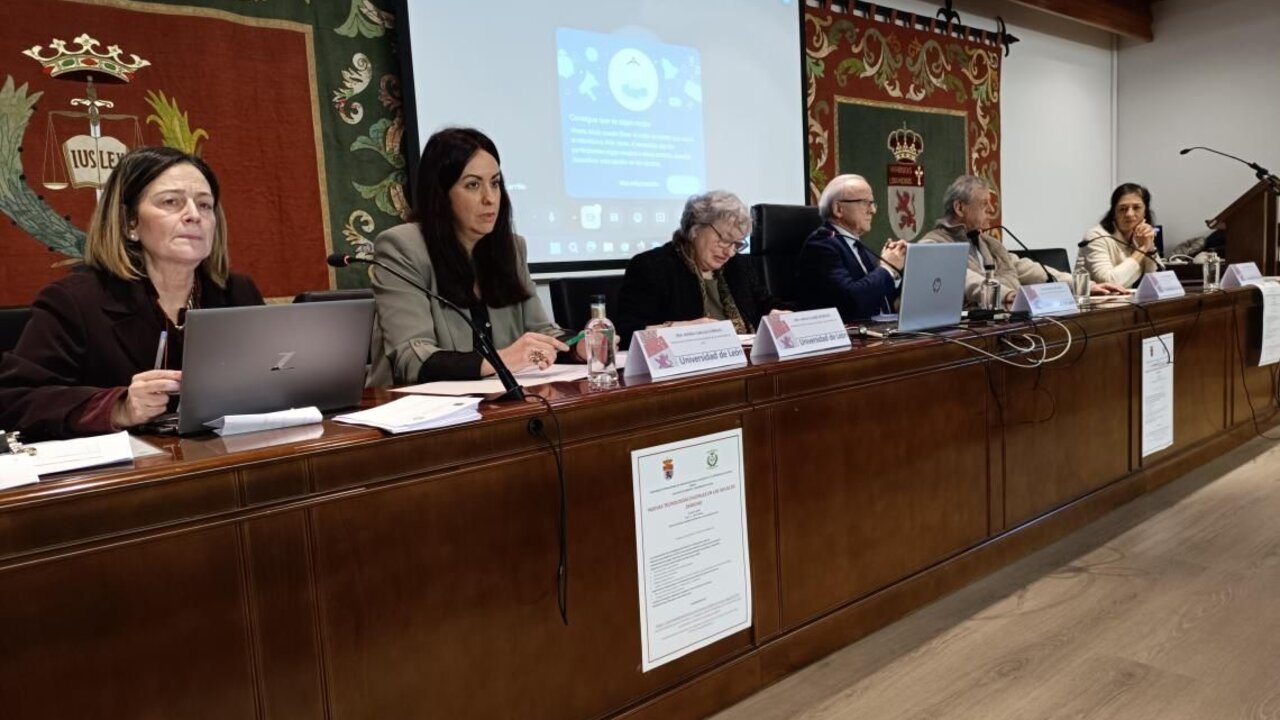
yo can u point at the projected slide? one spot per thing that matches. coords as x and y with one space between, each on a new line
609 115
630 115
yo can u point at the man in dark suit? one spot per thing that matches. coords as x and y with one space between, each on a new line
836 269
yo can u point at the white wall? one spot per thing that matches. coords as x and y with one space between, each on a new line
1056 120
1212 77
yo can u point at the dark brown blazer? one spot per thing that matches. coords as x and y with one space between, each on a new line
89 331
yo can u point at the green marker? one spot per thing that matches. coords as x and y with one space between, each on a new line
573 340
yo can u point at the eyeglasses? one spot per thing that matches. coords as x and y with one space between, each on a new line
735 245
870 203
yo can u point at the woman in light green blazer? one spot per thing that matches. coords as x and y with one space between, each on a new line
462 248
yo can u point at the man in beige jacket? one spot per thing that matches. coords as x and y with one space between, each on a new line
967 201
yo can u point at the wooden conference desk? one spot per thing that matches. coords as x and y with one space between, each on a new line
353 575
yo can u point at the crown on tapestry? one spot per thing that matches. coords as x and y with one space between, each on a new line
85 57
906 145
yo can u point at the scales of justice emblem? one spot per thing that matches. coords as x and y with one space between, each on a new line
905 184
82 160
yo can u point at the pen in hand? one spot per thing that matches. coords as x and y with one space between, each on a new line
573 340
160 349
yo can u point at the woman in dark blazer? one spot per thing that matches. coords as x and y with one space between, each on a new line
698 276
157 245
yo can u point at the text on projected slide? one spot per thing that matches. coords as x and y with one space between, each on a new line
631 116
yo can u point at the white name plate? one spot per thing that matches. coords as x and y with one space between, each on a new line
1159 286
798 333
669 351
1041 299
1240 273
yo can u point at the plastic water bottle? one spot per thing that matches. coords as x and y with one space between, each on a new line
989 295
1081 283
602 369
1212 271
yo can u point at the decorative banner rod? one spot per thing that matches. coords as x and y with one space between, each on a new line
947 21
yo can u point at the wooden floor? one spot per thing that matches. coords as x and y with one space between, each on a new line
1168 608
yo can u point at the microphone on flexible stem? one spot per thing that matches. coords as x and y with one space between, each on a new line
1154 255
1048 276
973 242
513 389
1262 173
980 313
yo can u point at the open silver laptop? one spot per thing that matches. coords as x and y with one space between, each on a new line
932 286
266 358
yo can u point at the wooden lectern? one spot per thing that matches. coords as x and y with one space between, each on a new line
1250 224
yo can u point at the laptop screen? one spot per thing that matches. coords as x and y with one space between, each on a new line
932 286
265 358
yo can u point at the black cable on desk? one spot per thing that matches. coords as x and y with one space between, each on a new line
1156 333
537 429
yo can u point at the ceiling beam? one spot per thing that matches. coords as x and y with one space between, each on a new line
1131 18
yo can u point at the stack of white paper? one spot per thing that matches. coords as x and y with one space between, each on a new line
527 377
293 417
416 412
55 456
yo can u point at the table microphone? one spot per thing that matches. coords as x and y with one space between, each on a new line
1048 276
486 351
1262 173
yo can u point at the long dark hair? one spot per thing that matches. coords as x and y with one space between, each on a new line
1109 220
492 264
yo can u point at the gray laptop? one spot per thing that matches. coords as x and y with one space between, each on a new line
932 286
266 358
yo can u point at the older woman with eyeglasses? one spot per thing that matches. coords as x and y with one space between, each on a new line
698 276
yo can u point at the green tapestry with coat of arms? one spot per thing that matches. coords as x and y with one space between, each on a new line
296 104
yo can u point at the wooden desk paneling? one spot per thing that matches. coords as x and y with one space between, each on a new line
336 572
869 492
154 629
444 588
1066 427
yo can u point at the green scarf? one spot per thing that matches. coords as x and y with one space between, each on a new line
740 325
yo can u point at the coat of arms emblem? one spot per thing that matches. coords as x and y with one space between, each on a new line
905 183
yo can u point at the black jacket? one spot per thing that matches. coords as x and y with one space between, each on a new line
659 287
829 275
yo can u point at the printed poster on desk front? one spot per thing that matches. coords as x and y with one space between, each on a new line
692 560
1157 393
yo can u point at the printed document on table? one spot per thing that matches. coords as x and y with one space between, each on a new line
293 417
563 372
416 412
55 456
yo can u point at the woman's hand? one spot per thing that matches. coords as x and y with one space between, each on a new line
1107 289
1144 237
147 397
529 350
